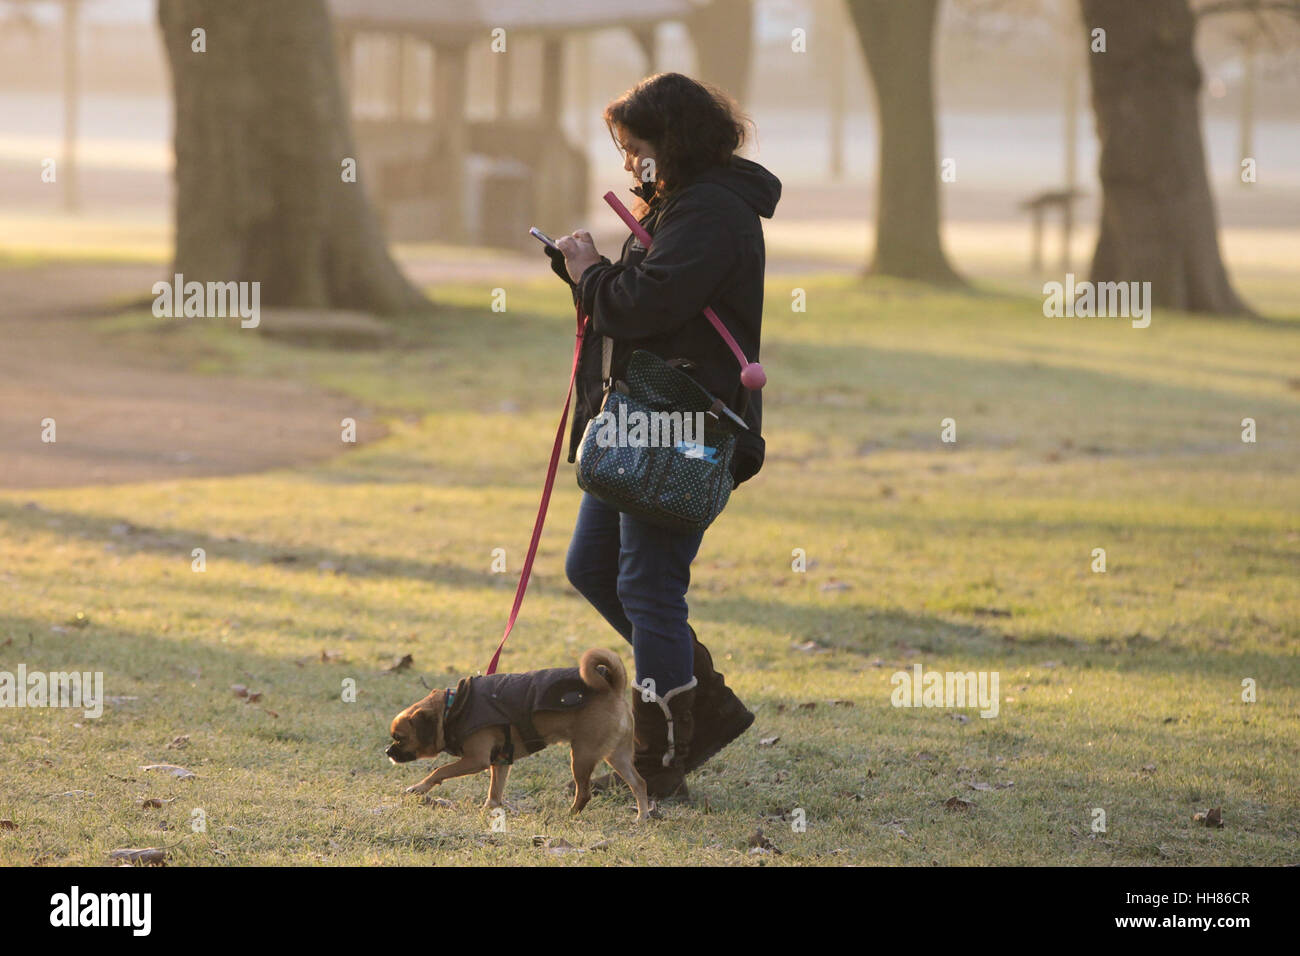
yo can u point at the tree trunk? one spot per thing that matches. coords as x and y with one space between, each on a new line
262 129
722 34
1158 221
897 39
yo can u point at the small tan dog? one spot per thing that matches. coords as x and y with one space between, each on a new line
485 719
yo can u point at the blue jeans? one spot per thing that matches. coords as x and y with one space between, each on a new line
636 575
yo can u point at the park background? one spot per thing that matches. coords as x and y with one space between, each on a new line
328 561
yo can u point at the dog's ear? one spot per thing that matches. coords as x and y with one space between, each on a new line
426 723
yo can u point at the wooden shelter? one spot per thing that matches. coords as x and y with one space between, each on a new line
433 169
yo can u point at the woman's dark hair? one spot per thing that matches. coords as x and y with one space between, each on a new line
692 126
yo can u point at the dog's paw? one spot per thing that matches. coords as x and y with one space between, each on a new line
420 788
490 804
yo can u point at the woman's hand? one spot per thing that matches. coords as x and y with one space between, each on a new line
579 253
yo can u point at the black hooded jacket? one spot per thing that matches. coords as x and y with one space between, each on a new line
708 251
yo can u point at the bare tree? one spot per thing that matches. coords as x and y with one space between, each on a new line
897 39
1158 220
722 34
261 135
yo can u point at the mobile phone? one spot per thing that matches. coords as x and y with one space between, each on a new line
543 238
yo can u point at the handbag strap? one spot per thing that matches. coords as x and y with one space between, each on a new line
751 373
527 571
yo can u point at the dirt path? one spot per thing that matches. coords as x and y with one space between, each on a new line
121 419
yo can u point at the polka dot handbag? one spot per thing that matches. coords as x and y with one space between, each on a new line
661 447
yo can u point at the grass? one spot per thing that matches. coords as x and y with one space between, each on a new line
1120 691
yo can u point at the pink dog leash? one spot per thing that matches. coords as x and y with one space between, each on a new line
527 571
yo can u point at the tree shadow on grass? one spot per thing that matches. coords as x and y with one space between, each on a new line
977 379
894 637
849 627
156 687
129 538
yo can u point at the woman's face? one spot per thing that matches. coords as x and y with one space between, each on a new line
638 156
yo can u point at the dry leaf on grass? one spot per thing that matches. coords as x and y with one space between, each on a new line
556 845
1211 818
178 772
8 825
957 803
149 856
761 844
406 661
767 741
809 647
178 742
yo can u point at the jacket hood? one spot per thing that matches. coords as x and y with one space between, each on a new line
748 180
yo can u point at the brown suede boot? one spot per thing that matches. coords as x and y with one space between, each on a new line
664 729
720 717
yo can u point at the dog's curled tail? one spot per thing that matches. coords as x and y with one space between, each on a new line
602 670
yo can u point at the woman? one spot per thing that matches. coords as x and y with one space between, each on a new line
702 204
